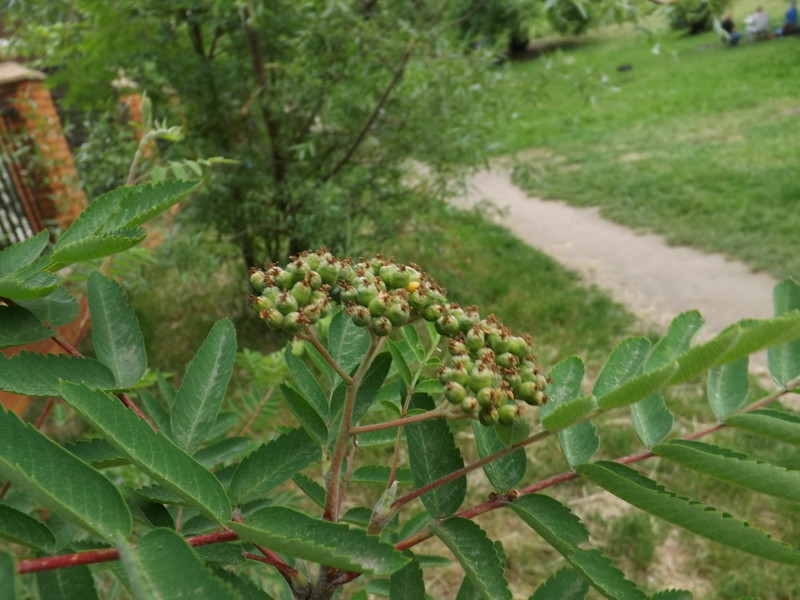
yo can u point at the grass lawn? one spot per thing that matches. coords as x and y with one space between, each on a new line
698 142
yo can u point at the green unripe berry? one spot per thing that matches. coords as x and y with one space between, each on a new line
348 295
499 341
431 312
475 339
292 323
264 303
487 397
286 303
297 270
312 313
400 279
283 279
381 326
506 360
460 375
454 392
258 280
419 299
447 326
387 273
329 271
366 293
314 280
378 305
518 347
469 406
488 416
301 292
360 315
457 348
507 414
398 313
272 317
480 378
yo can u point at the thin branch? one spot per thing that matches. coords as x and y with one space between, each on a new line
436 413
35 565
246 429
311 338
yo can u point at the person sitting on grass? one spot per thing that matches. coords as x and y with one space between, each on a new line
790 26
757 25
729 28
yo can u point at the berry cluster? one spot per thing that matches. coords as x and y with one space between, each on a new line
491 372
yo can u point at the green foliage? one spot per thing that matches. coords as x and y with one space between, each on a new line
188 492
696 16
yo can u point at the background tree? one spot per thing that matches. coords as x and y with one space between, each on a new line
322 104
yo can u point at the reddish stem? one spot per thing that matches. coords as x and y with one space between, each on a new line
34 565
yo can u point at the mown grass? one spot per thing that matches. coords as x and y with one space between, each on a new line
698 142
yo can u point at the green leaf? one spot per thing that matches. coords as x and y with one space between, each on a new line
433 387
769 423
162 566
75 583
39 374
638 388
287 531
97 452
699 358
272 464
306 383
759 334
625 361
33 288
310 488
676 342
784 360
60 481
20 255
651 420
564 584
407 583
553 521
411 336
733 467
9 579
400 363
307 415
97 246
203 387
347 343
468 590
154 409
505 472
19 326
566 413
579 442
728 387
567 376
380 474
124 207
560 528
433 454
246 589
57 309
165 462
672 595
646 494
20 528
224 450
477 555
117 339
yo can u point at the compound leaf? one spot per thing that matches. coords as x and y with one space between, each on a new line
347 343
308 416
699 358
162 566
272 464
306 383
59 480
199 397
646 494
477 555
567 376
97 246
165 462
759 334
21 254
638 388
285 530
407 583
19 326
733 467
676 341
116 336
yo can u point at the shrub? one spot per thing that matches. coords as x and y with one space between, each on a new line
189 500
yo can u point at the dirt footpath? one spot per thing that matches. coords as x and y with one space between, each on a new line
653 280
